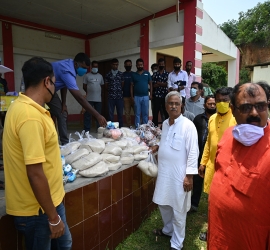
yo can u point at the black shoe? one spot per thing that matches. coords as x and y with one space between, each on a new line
192 209
203 236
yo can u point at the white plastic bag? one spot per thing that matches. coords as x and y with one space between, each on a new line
149 166
69 148
112 149
99 169
126 160
114 166
87 161
110 158
76 155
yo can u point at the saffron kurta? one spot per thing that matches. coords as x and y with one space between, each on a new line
239 200
177 156
216 127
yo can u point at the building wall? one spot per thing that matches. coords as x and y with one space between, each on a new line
28 43
261 73
215 39
121 43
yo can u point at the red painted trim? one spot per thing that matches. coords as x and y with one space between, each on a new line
144 42
237 67
199 30
199 13
36 26
75 117
165 12
198 63
8 54
190 32
198 47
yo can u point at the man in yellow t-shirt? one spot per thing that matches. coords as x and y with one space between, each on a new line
217 125
33 169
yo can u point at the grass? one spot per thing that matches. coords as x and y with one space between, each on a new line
143 238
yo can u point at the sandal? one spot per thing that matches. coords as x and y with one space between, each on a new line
203 236
158 232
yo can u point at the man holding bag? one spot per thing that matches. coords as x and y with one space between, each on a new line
177 163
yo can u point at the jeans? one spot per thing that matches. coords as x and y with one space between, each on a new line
141 106
128 104
119 104
87 116
55 106
37 232
159 106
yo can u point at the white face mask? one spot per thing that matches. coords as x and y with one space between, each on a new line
247 134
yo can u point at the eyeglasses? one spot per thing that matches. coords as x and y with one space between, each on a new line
52 82
247 107
174 104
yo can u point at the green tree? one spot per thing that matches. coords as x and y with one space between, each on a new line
214 75
254 25
244 76
230 28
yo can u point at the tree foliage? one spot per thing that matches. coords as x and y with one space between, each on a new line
244 76
214 75
252 26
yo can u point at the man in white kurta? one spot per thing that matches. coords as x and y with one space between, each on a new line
177 163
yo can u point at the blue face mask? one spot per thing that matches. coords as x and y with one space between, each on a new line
193 92
81 71
94 70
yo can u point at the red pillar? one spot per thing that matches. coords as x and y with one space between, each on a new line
144 42
189 32
8 53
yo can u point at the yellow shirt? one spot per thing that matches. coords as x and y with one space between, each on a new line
30 138
216 126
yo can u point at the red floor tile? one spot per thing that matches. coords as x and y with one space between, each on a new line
117 238
127 181
127 209
91 232
77 236
117 215
136 178
105 224
90 200
74 207
136 201
117 187
105 198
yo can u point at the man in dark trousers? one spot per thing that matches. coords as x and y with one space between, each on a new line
201 124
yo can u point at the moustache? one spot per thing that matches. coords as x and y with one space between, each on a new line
253 119
173 109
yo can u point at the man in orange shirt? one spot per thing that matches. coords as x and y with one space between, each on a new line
239 198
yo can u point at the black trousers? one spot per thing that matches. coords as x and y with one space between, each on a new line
158 105
197 190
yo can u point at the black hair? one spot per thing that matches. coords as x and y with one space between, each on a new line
251 90
34 70
224 91
161 60
82 57
139 60
128 60
189 62
177 60
94 62
206 98
154 65
114 60
200 86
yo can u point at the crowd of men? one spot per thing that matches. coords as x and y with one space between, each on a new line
219 143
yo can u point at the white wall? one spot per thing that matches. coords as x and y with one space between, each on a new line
116 44
28 43
261 73
215 39
166 31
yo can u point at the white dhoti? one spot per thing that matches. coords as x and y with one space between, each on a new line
177 157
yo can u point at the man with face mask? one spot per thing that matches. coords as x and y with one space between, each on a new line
191 78
128 103
66 72
239 198
217 124
160 90
139 89
195 104
114 83
92 83
33 168
201 124
177 80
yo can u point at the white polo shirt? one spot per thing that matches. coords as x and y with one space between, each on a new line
173 77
